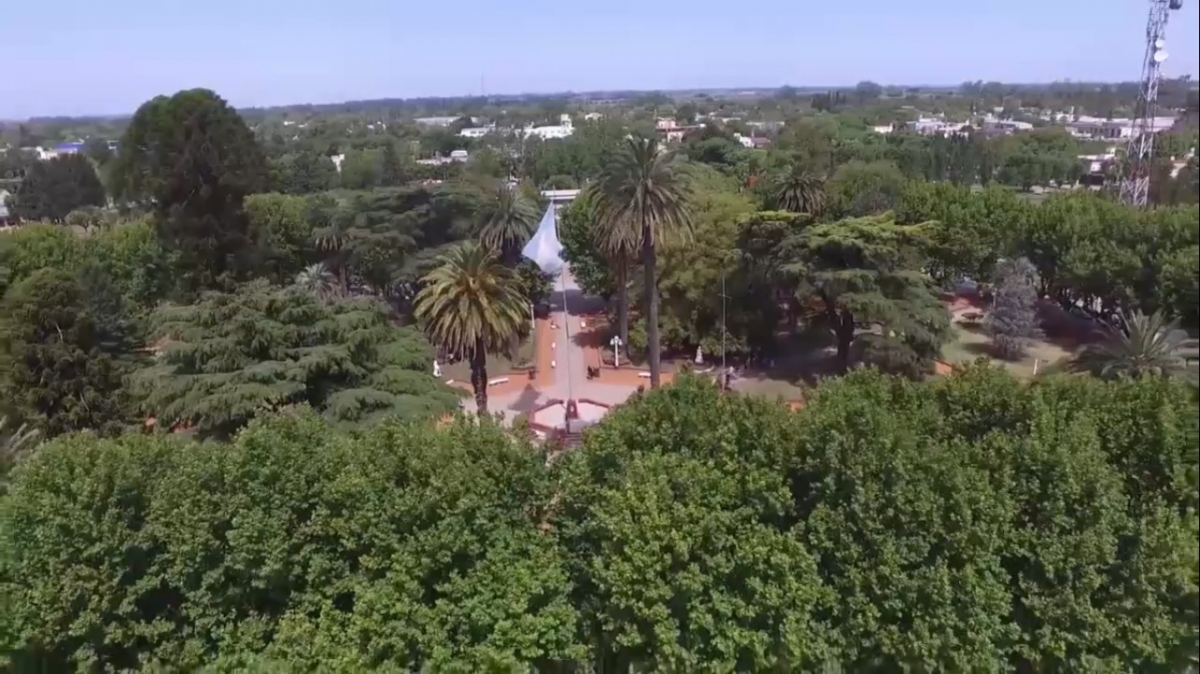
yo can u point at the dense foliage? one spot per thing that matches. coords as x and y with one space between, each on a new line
231 355
968 523
52 189
277 284
192 160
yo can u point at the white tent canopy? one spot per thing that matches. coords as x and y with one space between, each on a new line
544 248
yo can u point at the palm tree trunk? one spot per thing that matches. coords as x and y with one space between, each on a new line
623 302
649 260
479 377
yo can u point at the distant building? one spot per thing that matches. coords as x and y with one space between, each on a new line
1005 126
592 117
563 130
1096 128
455 157
477 131
436 121
933 127
4 215
559 198
882 129
756 142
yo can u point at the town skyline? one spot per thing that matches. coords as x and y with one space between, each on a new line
265 54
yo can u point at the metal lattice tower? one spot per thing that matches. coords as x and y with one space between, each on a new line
1135 183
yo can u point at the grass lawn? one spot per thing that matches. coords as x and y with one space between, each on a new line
765 386
498 365
969 344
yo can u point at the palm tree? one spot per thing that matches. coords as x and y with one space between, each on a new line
334 239
1142 346
471 304
642 198
14 447
619 243
799 190
316 279
507 221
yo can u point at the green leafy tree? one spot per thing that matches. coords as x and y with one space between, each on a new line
192 159
307 172
472 305
282 228
298 547
233 355
859 189
642 197
66 347
576 232
52 189
866 274
391 173
361 170
649 516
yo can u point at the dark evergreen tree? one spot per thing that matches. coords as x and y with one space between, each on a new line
1013 320
393 170
193 160
66 346
233 355
52 189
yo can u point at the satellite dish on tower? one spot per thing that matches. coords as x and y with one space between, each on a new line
1160 43
1160 56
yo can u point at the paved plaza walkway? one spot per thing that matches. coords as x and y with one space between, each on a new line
567 378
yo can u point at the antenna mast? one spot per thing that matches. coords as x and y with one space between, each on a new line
1135 183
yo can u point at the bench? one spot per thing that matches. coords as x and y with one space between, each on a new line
644 375
497 381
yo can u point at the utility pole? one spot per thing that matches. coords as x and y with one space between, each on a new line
724 297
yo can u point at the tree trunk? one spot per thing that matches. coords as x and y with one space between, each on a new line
649 260
845 336
479 377
623 303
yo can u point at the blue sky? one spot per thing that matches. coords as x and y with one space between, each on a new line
73 57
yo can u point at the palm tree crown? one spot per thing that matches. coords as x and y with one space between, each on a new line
472 305
1142 346
642 198
317 280
507 221
799 190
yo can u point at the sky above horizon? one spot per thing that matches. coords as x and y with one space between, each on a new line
82 57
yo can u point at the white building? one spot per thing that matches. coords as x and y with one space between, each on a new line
1097 128
560 198
456 157
563 130
436 121
1010 125
882 129
4 205
1094 164
477 131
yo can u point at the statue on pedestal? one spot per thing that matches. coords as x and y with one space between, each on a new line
437 369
